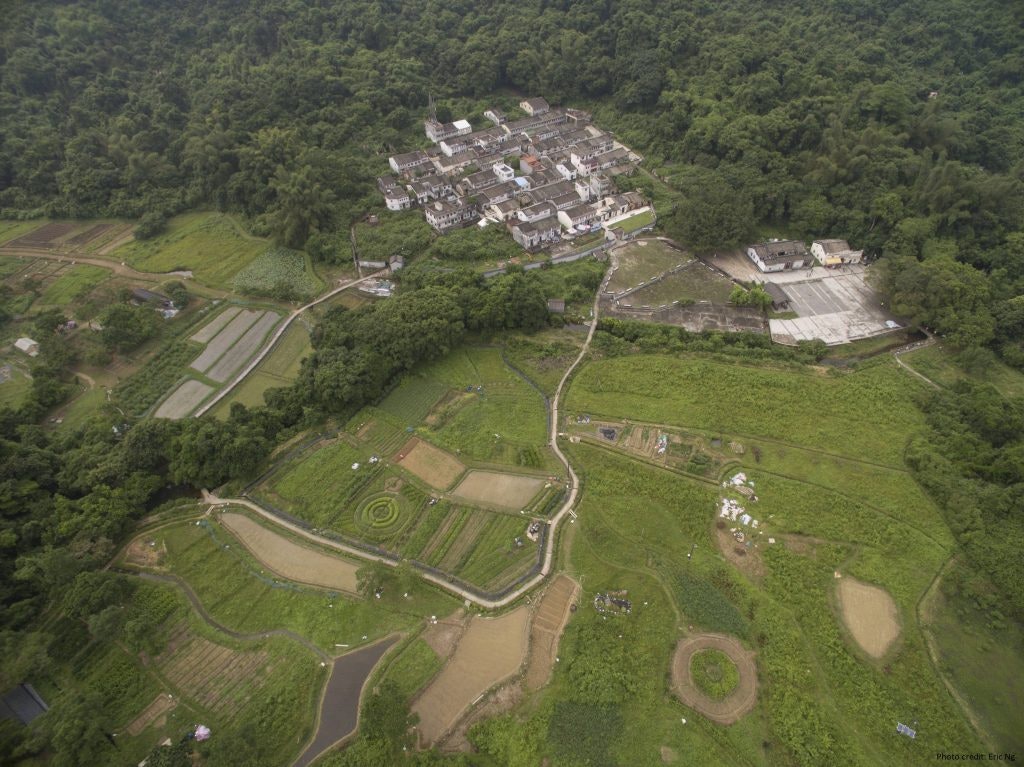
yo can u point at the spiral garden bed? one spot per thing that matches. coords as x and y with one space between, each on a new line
381 515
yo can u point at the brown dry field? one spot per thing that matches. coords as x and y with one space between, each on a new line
183 400
431 464
214 326
731 708
210 674
491 650
546 629
749 562
870 615
140 553
158 708
443 636
290 560
491 488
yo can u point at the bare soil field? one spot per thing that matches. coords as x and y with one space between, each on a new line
502 700
746 560
290 560
44 235
491 650
244 348
491 488
90 234
140 553
549 621
212 675
433 465
213 327
183 400
870 615
443 636
225 339
731 708
156 710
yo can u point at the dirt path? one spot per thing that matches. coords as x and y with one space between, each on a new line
122 270
914 347
731 708
201 611
546 628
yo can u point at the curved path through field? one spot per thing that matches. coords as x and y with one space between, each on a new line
730 708
269 345
566 508
122 270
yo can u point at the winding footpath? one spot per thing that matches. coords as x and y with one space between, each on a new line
549 550
914 347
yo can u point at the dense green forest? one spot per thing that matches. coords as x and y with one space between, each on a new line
897 125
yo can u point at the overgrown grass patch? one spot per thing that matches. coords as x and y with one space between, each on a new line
714 673
278 273
73 284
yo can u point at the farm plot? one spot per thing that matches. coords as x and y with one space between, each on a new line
216 677
491 488
279 272
413 399
730 707
225 339
491 650
90 235
44 235
72 284
243 349
289 559
155 712
870 615
431 464
206 333
14 385
495 559
184 400
319 484
549 620
279 368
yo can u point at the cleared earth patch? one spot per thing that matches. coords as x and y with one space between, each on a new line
431 464
491 488
870 615
289 559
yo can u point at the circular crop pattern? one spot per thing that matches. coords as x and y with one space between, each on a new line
714 673
381 515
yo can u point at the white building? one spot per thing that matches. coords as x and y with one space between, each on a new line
834 253
534 107
27 345
504 172
779 255
438 131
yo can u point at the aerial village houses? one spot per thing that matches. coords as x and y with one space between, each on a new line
561 188
833 253
779 255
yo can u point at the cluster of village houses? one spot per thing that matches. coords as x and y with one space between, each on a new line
562 187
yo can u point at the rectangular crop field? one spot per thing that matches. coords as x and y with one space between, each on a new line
244 348
208 244
490 488
206 333
278 271
10 230
225 339
184 400
496 560
867 414
278 369
431 464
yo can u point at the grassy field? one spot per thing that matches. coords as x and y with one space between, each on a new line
694 283
970 647
638 221
413 668
867 414
206 243
83 407
9 230
545 356
639 261
939 365
14 386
